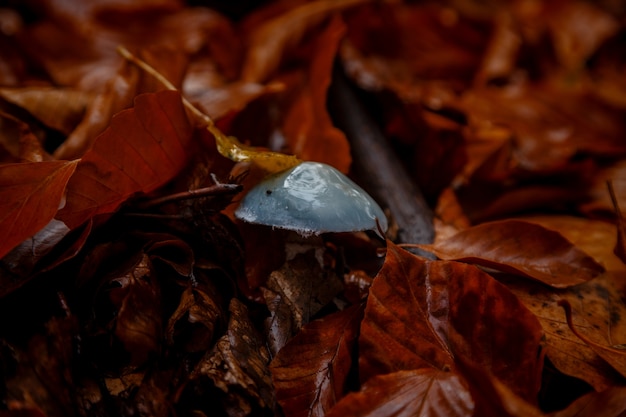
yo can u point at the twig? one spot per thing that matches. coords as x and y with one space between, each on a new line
379 168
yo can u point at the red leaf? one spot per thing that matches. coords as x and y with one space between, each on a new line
309 373
30 195
143 148
520 247
423 392
424 314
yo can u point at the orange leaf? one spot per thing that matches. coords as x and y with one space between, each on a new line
143 148
30 195
520 247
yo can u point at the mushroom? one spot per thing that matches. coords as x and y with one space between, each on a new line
311 198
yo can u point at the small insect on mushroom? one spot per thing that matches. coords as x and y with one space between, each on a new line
311 198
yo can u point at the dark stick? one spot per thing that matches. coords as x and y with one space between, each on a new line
378 168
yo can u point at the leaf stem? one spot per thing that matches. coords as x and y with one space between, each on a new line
166 83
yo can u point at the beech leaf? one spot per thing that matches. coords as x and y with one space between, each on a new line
425 314
521 248
310 372
422 392
30 195
144 148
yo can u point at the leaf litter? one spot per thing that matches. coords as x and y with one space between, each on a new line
123 298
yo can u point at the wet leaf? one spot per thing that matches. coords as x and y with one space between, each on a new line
492 398
521 248
31 194
144 148
312 383
423 314
422 392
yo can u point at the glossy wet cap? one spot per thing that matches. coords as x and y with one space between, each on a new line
311 198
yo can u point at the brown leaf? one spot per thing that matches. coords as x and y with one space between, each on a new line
421 392
273 38
577 29
521 248
310 372
303 282
138 322
492 398
117 94
598 308
30 195
237 366
82 53
196 319
543 121
309 131
60 109
606 403
423 314
144 148
42 379
417 51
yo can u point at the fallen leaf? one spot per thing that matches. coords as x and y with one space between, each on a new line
196 320
308 129
521 248
116 95
58 108
30 195
310 372
138 323
420 392
491 397
383 51
303 284
598 310
270 40
144 148
606 403
543 121
237 366
423 314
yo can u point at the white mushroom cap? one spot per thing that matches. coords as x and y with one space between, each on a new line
311 198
